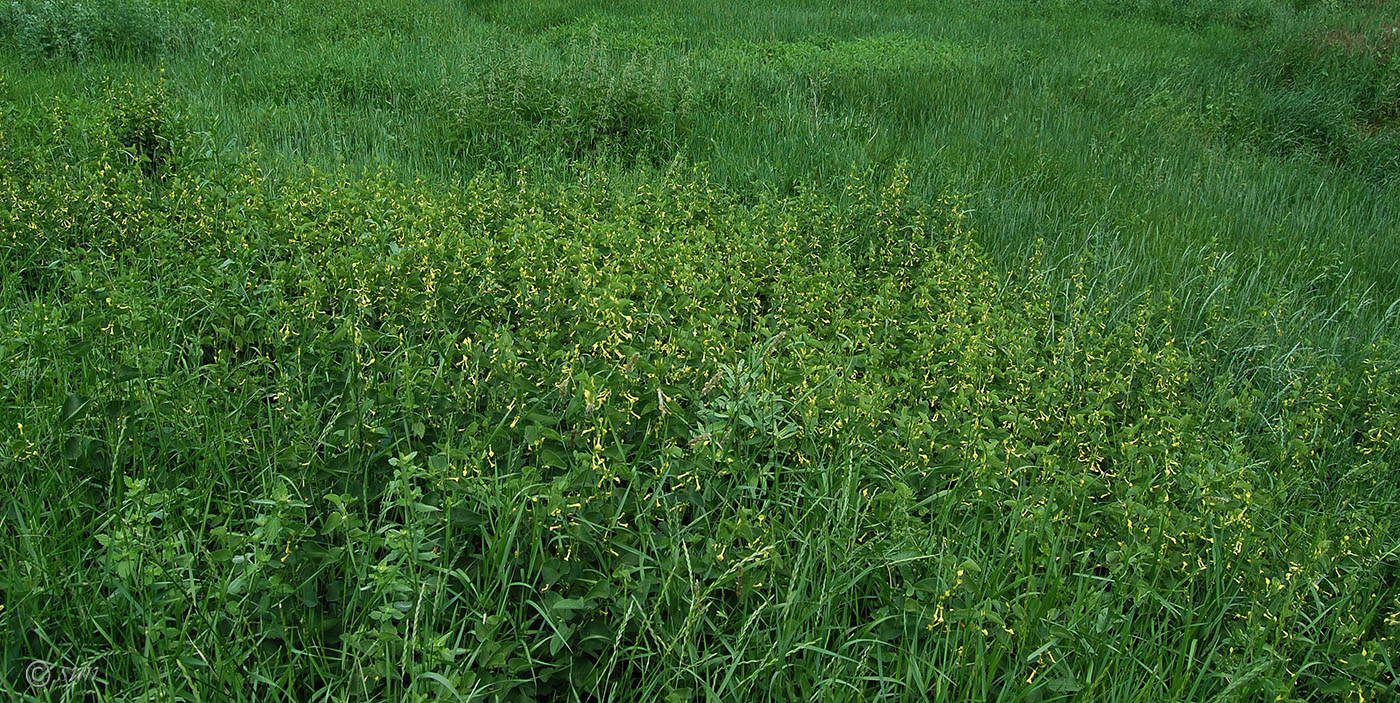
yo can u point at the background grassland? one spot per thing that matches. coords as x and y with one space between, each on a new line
700 351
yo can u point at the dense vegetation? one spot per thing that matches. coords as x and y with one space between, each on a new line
514 351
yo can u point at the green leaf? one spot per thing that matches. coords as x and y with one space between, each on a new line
568 605
73 449
73 406
1065 683
115 409
548 457
237 586
438 678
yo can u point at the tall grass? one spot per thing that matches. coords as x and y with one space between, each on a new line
706 351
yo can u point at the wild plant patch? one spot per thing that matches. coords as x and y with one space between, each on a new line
354 436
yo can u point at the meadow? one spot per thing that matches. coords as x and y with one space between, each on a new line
549 350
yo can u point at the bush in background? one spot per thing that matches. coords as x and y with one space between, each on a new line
53 30
586 101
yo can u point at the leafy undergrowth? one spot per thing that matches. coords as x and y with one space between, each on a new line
342 438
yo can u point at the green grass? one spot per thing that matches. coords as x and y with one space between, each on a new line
550 350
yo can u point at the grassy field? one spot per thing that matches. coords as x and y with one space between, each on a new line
700 351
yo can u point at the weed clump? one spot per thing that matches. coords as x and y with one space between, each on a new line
144 132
